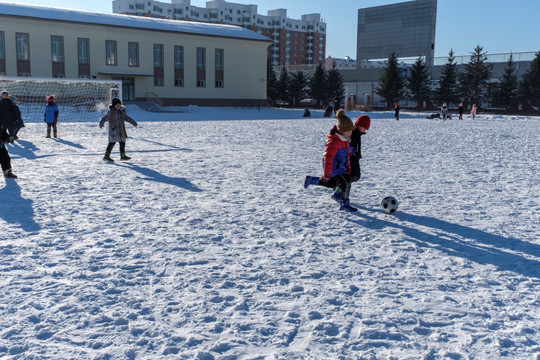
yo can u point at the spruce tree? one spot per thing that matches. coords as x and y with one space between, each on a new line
271 83
317 85
335 83
448 87
418 83
505 93
530 83
297 87
283 85
392 83
473 82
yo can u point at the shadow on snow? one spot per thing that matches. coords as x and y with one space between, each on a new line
152 175
465 242
15 209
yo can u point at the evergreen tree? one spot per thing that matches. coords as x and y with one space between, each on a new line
271 83
505 93
418 83
297 87
283 85
335 83
317 85
392 83
473 82
530 83
448 87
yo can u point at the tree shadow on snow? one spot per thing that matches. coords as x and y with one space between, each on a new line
15 209
507 254
152 175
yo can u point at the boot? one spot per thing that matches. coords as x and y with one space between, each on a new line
123 156
9 175
107 157
336 195
311 180
345 205
55 133
48 133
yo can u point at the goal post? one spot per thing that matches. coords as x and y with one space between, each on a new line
78 100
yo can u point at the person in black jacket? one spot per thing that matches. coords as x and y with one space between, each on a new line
18 124
360 127
7 119
396 110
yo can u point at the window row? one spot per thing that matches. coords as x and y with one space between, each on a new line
111 59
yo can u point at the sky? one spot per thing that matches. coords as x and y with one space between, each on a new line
497 26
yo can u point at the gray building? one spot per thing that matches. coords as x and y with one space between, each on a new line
407 29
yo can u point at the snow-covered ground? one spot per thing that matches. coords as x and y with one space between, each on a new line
206 245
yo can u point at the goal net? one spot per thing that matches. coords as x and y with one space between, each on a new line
78 100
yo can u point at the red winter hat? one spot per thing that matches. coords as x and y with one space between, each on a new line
363 121
50 98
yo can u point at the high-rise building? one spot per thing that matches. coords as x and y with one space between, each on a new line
406 29
296 43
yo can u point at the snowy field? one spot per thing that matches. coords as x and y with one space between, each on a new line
206 245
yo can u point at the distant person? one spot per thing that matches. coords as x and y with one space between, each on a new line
116 117
473 111
337 162
51 116
460 111
18 124
307 113
337 104
444 111
328 112
7 119
396 110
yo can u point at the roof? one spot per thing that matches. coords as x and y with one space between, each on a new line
118 20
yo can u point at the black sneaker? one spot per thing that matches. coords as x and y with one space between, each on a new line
125 157
108 158
9 175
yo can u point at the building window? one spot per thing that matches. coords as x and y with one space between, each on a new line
57 48
2 54
219 68
110 53
179 66
201 67
82 51
83 54
23 46
201 58
57 56
133 54
158 65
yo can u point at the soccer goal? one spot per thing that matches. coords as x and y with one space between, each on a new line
78 100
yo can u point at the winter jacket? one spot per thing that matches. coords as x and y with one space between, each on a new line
356 142
336 159
473 110
19 123
7 119
51 113
117 126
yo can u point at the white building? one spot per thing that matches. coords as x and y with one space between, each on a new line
179 62
296 43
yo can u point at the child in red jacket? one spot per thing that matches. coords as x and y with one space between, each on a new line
336 162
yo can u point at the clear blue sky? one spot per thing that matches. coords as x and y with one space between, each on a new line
499 26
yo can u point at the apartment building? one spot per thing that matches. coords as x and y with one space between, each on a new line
295 43
179 62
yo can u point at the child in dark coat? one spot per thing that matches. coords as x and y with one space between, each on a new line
51 116
360 127
7 118
336 162
18 124
116 116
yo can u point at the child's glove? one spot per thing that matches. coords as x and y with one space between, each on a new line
55 120
348 170
11 139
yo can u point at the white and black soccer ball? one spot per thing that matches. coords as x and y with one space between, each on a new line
389 204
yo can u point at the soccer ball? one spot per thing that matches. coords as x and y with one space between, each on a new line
389 204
